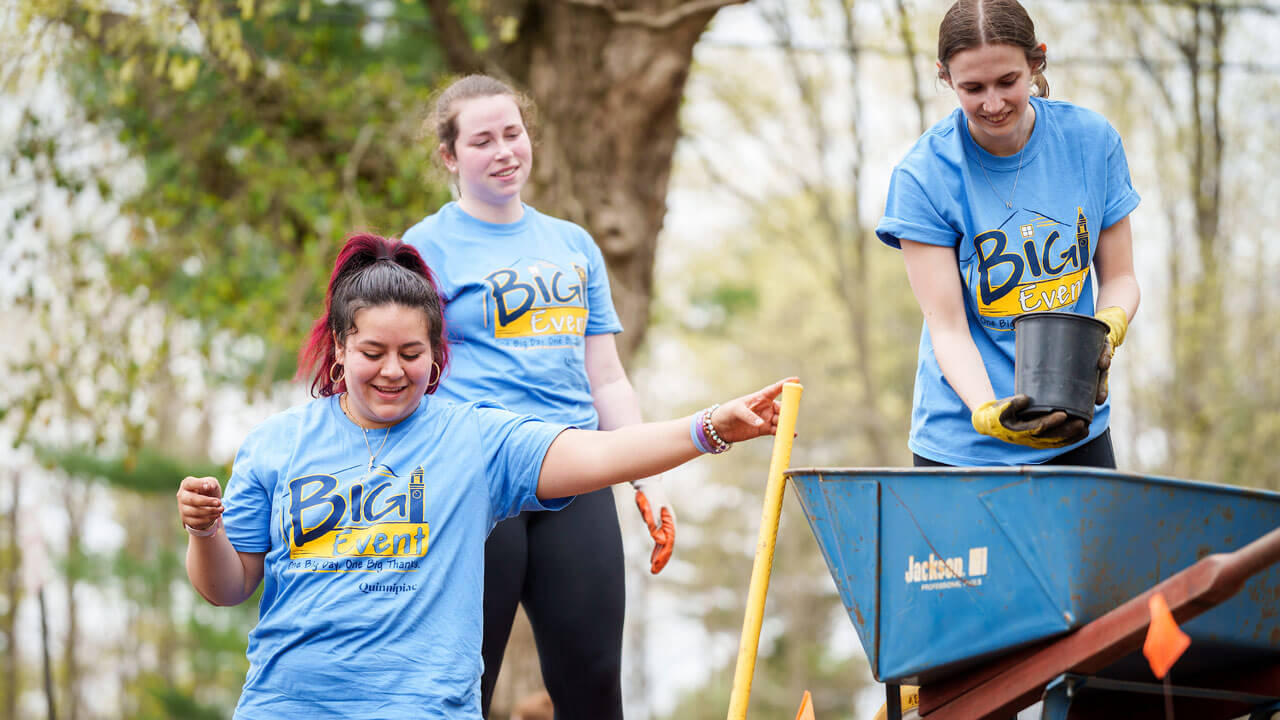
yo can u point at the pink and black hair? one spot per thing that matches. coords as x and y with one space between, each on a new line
371 271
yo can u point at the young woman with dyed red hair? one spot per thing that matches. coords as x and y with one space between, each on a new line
364 512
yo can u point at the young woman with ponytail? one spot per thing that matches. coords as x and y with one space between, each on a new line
532 316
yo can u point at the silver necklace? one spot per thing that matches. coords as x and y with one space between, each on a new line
1007 203
372 455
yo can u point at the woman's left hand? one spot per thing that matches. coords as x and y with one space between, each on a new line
750 416
1104 372
1117 326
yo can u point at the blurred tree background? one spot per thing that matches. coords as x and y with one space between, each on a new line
178 175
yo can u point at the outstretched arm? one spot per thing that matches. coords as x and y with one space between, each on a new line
217 571
580 461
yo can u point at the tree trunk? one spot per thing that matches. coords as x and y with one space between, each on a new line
75 502
12 588
1189 405
610 94
608 84
51 705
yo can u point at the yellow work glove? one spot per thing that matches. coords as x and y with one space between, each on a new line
1117 325
1000 420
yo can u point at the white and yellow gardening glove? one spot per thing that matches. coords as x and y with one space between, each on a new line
659 517
1000 419
1117 325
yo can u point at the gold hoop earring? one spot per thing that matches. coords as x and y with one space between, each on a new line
435 366
341 373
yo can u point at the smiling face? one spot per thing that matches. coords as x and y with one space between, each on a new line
492 157
993 84
387 359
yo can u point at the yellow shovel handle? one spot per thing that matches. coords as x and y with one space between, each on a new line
763 566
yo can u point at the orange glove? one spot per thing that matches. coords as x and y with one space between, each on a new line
663 528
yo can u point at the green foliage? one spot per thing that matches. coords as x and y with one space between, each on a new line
203 661
295 129
174 704
145 471
724 300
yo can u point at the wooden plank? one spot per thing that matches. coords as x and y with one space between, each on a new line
937 694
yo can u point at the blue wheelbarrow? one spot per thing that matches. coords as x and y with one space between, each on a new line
993 588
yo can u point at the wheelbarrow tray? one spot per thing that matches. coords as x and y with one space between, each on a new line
941 568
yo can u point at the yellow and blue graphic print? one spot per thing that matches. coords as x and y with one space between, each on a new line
373 524
537 302
1044 268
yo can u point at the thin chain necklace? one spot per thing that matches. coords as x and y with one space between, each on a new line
372 455
1007 203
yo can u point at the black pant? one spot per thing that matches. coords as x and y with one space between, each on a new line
1095 453
566 567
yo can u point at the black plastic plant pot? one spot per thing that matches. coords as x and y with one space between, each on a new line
1056 361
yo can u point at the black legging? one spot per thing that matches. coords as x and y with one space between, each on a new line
1095 453
566 567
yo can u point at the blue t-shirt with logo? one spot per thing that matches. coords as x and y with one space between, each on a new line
521 298
373 582
1072 181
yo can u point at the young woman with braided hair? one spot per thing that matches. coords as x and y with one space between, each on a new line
1013 203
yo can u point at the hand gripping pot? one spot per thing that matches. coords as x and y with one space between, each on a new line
1056 361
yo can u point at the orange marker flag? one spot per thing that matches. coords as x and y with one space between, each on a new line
1165 640
806 707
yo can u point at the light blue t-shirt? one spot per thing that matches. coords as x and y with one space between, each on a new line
373 584
521 298
1073 183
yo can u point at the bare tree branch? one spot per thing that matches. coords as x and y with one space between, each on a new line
722 182
909 44
453 38
662 21
1149 68
351 170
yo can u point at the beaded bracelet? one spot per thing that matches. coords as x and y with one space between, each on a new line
207 532
717 444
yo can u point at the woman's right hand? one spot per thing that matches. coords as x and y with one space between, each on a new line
1001 419
750 416
199 502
